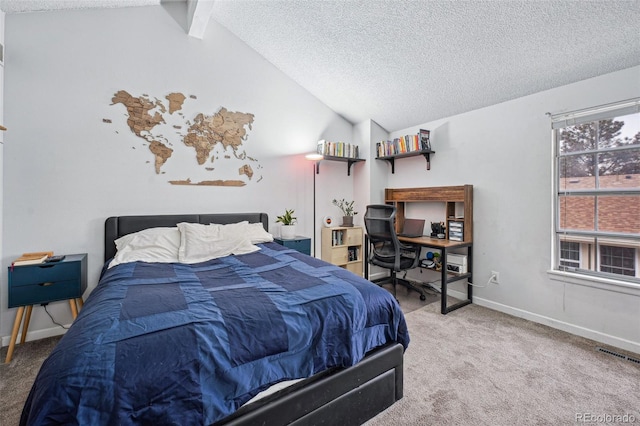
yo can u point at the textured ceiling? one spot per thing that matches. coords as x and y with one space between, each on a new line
403 63
22 6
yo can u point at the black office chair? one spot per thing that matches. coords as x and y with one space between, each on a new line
385 250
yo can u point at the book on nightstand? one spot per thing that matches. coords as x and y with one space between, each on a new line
32 258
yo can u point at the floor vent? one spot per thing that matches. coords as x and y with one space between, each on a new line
621 356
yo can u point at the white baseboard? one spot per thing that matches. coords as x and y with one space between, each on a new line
37 334
607 339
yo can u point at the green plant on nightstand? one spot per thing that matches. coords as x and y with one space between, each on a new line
288 221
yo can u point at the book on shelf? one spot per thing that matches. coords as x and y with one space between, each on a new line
32 258
336 238
425 139
338 149
354 253
404 144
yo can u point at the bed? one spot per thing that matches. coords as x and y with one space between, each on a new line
193 342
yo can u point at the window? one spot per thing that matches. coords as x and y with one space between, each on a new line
618 260
569 254
597 191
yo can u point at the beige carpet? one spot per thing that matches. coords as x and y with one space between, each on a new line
17 376
475 366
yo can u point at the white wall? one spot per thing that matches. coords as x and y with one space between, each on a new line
66 171
505 151
2 18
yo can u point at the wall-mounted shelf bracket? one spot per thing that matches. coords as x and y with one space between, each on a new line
427 156
391 159
349 161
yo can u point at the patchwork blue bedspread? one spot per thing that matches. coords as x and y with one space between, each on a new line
189 344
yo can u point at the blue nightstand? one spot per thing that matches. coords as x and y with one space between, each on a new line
43 283
302 244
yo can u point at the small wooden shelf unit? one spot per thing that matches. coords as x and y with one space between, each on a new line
342 246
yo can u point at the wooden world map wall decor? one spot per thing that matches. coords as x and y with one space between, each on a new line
162 127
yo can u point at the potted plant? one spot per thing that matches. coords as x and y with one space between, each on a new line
347 211
288 221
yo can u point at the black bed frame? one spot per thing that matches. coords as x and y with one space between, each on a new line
346 396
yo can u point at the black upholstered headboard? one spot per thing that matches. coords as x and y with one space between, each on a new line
118 226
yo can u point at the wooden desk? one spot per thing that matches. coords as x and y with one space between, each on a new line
445 277
450 196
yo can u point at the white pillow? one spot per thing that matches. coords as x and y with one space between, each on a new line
257 234
253 232
199 242
150 245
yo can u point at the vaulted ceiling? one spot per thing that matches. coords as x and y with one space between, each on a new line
403 63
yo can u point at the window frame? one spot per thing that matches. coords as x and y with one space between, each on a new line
588 272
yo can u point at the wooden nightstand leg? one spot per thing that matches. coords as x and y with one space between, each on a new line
25 325
74 308
14 334
80 303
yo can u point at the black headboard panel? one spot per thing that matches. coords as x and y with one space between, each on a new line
118 226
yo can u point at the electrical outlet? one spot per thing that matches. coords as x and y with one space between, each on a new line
495 277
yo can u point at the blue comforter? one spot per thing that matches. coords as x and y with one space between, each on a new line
189 344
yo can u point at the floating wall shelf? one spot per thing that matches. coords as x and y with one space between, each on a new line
391 158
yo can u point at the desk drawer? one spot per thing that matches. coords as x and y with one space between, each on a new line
38 274
44 292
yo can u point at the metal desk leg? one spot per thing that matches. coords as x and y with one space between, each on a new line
443 282
444 309
366 257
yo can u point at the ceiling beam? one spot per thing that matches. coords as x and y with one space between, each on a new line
198 15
